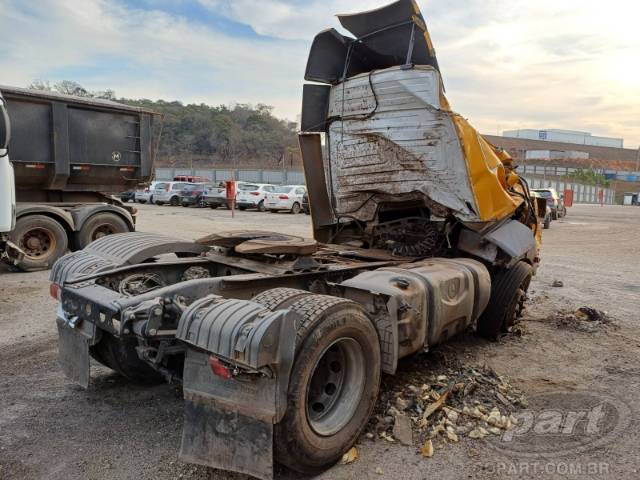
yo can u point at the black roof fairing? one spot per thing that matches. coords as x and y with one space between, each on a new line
392 35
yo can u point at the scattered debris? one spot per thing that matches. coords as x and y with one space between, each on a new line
592 315
427 449
350 457
444 407
402 429
379 471
585 319
557 283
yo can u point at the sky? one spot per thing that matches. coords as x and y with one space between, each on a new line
506 64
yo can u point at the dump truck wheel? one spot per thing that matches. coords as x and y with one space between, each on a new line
42 239
334 383
508 293
100 225
120 355
279 298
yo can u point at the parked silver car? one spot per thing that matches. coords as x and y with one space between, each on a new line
168 192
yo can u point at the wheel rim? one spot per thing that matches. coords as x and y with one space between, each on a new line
295 208
336 386
38 243
102 231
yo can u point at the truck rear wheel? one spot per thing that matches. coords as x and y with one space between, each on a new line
42 239
120 355
334 383
100 225
508 293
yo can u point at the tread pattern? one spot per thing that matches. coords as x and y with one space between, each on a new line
312 309
503 288
277 298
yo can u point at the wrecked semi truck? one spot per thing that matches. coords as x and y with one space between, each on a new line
69 154
422 230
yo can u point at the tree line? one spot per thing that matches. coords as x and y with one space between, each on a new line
200 135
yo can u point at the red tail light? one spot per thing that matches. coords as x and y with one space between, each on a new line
55 291
255 193
284 197
218 368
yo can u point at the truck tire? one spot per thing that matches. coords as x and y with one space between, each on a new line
120 356
100 225
42 239
279 298
508 293
334 383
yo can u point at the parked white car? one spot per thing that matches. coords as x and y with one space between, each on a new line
286 197
168 192
252 195
146 194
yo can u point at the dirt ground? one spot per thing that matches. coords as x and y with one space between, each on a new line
52 429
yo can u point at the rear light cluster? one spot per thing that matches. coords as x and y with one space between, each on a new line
255 193
284 197
55 291
218 368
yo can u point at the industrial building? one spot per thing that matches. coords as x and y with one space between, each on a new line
566 136
615 158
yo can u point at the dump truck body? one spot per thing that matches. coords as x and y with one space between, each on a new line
69 155
422 230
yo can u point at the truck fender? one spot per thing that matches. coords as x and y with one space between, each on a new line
236 375
82 213
59 214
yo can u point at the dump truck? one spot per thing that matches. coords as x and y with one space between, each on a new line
69 155
422 230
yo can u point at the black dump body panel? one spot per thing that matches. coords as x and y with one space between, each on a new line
62 143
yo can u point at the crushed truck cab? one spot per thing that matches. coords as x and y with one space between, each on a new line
422 230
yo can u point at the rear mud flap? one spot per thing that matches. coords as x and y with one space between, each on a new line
229 415
73 354
225 439
75 336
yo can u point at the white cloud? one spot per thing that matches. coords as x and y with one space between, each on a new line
506 64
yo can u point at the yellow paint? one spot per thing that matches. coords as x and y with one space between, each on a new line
487 174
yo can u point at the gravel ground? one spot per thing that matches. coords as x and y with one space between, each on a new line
51 429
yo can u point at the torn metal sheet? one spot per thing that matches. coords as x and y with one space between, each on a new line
390 137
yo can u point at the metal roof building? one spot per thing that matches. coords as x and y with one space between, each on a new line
566 136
